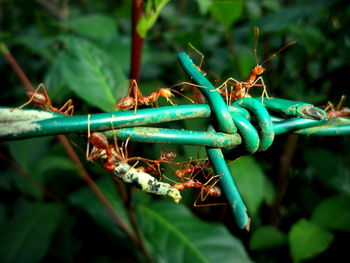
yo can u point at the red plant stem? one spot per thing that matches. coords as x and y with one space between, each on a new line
137 41
98 193
71 153
13 63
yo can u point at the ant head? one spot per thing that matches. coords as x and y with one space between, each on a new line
164 92
258 70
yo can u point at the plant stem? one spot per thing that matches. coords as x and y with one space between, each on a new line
71 153
13 63
285 164
137 41
92 185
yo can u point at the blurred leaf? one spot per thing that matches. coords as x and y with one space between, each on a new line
3 213
92 75
253 8
118 47
97 26
307 240
271 4
288 16
246 61
178 236
88 202
267 237
23 151
27 237
54 83
203 6
148 19
250 181
36 41
310 37
55 162
269 191
334 173
31 184
333 213
226 11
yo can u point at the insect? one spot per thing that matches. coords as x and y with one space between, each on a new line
240 89
166 156
207 189
188 171
136 98
42 99
338 111
115 160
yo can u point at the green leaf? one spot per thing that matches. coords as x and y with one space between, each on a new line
22 151
250 181
92 75
53 81
269 191
285 17
178 236
148 19
333 213
307 239
267 237
29 180
88 202
335 173
246 61
27 237
96 26
227 11
310 37
203 6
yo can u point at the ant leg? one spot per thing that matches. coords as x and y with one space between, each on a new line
70 108
41 86
88 140
203 197
340 103
94 153
329 107
262 84
48 101
179 93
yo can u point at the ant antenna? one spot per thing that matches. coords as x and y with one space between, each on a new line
199 53
279 51
256 36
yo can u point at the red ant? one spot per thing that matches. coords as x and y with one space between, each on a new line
103 149
136 98
42 99
338 111
165 157
242 87
188 171
211 190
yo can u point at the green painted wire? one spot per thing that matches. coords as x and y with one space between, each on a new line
60 124
225 124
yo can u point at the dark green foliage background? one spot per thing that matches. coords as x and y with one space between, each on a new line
48 214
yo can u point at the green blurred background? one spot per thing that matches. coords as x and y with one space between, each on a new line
297 192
